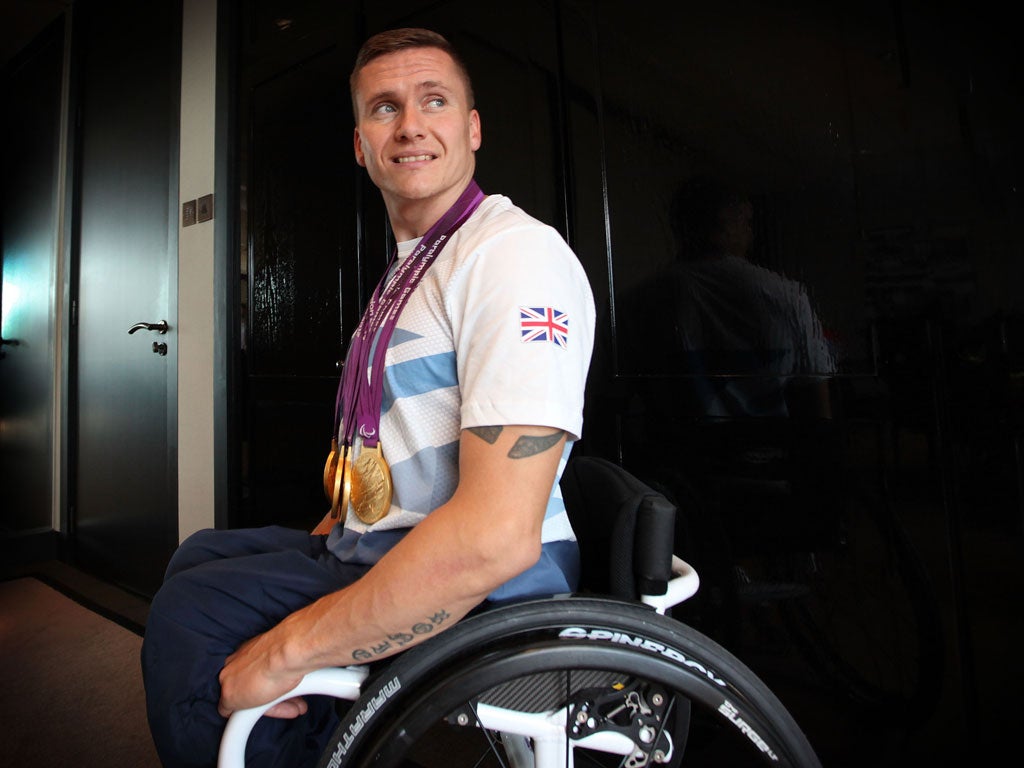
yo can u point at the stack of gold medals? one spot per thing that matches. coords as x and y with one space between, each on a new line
365 481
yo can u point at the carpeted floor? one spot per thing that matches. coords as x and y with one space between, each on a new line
70 684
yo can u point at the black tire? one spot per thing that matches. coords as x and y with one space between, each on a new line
533 656
869 620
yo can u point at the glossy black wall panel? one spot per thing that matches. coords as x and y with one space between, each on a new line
720 104
299 263
302 204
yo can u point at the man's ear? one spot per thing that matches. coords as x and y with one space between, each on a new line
475 135
358 146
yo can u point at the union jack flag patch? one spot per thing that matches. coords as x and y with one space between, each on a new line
544 324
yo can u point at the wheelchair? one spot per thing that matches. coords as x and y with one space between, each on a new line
602 677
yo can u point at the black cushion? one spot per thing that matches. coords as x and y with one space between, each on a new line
625 529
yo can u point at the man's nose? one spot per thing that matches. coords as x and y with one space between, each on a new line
410 124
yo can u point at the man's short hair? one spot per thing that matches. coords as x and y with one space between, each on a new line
394 40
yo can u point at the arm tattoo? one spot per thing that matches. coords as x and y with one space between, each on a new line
530 445
396 640
490 434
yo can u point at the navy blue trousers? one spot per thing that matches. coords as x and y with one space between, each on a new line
222 588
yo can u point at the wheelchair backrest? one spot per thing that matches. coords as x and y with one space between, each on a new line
625 529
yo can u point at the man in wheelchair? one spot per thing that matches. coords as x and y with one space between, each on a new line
460 400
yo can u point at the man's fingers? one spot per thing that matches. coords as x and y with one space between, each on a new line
285 710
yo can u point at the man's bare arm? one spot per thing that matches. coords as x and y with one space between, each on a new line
487 533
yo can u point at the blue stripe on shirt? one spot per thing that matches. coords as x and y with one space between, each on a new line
422 374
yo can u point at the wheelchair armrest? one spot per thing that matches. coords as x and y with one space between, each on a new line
340 682
682 586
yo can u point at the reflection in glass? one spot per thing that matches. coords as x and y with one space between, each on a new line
739 329
734 317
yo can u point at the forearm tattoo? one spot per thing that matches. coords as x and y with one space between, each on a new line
526 445
398 640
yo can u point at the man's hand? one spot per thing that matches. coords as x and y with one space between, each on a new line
247 680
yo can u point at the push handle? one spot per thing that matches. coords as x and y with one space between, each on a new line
161 327
653 539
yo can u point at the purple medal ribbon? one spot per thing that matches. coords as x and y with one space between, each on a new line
361 389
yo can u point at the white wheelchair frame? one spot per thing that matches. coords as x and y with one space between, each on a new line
546 730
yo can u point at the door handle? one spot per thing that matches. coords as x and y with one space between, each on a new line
7 342
161 327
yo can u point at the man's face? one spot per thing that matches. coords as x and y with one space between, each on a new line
735 229
415 130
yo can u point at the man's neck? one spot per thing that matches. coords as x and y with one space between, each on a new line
411 219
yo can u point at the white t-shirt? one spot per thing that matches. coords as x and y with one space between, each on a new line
499 331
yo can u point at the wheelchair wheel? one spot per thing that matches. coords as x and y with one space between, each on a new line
567 681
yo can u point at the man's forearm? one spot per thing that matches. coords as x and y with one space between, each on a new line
392 607
486 534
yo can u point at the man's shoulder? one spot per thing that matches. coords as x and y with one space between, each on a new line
499 222
498 214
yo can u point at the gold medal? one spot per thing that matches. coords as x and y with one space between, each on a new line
371 485
330 467
338 480
342 488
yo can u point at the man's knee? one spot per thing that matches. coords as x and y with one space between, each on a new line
196 549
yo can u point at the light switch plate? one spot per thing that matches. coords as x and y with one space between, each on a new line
205 209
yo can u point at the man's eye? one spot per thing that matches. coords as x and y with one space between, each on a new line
436 101
383 109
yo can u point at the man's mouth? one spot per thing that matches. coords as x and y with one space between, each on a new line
413 158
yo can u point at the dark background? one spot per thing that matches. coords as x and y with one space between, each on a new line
861 550
879 145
